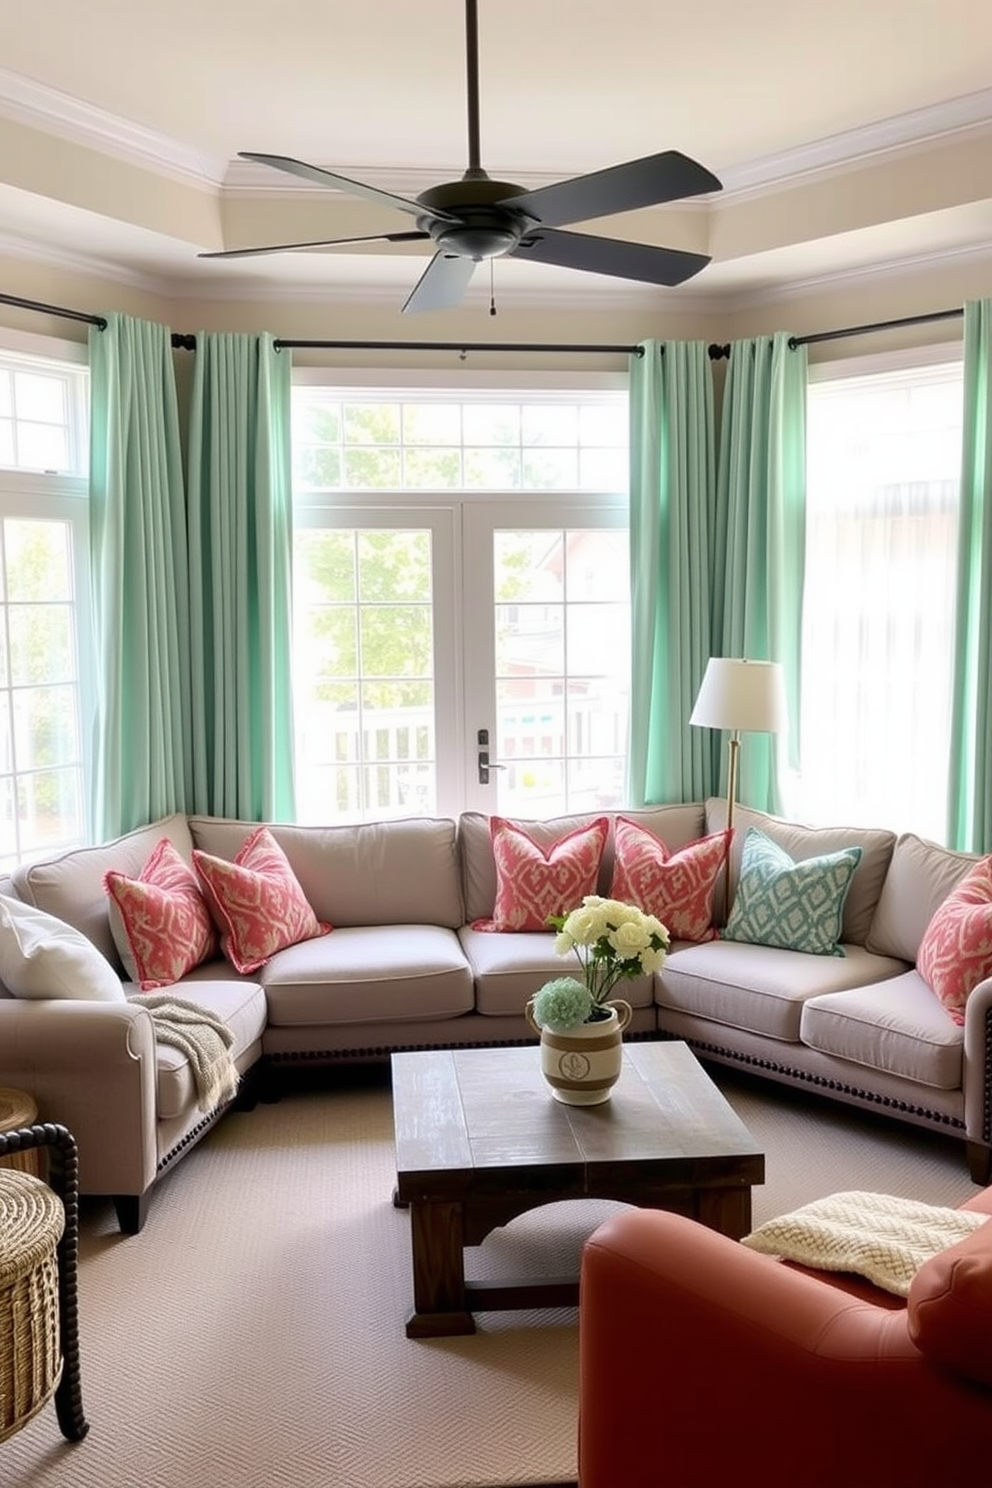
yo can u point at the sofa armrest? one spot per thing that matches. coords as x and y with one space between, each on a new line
703 1362
977 1072
90 1066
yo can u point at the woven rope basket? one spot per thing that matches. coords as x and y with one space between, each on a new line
31 1224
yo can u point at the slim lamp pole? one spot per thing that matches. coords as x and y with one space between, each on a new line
733 758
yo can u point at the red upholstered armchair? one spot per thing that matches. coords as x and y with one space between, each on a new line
704 1364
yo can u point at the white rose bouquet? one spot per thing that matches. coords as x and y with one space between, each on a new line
612 942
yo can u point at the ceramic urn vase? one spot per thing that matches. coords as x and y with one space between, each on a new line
582 1065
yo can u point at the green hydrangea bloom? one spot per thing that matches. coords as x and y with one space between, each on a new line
562 1004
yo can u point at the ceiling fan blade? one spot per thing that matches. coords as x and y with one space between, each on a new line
670 176
321 177
404 237
442 284
640 261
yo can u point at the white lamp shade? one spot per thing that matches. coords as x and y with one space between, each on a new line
742 695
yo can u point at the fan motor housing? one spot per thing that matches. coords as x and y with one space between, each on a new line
485 228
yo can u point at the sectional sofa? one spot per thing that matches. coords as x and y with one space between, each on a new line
410 964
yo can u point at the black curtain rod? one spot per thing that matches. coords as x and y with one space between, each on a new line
95 320
880 325
716 352
185 342
460 346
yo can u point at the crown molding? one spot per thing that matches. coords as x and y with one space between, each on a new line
13 246
23 101
866 277
971 113
31 103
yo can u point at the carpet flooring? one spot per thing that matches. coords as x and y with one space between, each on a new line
252 1335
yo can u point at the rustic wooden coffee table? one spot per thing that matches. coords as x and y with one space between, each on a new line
479 1140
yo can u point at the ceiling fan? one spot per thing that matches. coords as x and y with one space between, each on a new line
477 218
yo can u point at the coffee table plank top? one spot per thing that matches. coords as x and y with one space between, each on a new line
433 1126
490 1111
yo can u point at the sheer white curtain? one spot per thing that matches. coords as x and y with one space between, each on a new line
884 454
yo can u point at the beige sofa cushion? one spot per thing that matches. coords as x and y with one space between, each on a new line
402 872
920 877
369 974
509 968
802 842
897 1026
675 825
70 886
241 1004
761 989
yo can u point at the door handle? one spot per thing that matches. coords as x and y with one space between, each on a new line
485 765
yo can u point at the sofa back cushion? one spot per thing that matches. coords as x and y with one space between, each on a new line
70 886
920 877
675 825
802 842
402 872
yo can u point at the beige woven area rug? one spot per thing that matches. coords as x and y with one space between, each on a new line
252 1335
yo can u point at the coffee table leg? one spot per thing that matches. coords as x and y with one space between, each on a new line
438 1239
727 1210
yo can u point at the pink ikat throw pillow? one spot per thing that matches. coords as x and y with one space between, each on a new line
160 921
256 901
676 886
956 951
533 882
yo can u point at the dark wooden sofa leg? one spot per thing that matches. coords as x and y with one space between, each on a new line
132 1211
980 1163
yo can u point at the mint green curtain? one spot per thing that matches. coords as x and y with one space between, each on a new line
970 775
672 499
141 754
759 556
240 592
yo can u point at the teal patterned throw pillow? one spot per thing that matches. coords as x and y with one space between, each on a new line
798 906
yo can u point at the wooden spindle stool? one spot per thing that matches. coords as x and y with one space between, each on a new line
39 1309
31 1224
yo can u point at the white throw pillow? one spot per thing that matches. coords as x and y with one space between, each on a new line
41 956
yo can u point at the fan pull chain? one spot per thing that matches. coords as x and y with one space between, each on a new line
492 287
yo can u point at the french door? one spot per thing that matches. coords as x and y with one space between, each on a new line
469 653
547 655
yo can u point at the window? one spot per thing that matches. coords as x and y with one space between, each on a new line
350 442
884 454
430 617
43 514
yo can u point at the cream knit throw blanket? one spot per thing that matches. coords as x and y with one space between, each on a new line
879 1236
198 1033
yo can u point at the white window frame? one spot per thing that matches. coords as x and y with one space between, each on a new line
63 497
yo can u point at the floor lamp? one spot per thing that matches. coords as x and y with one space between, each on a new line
740 696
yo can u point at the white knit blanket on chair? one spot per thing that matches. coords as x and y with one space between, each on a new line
879 1236
201 1036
